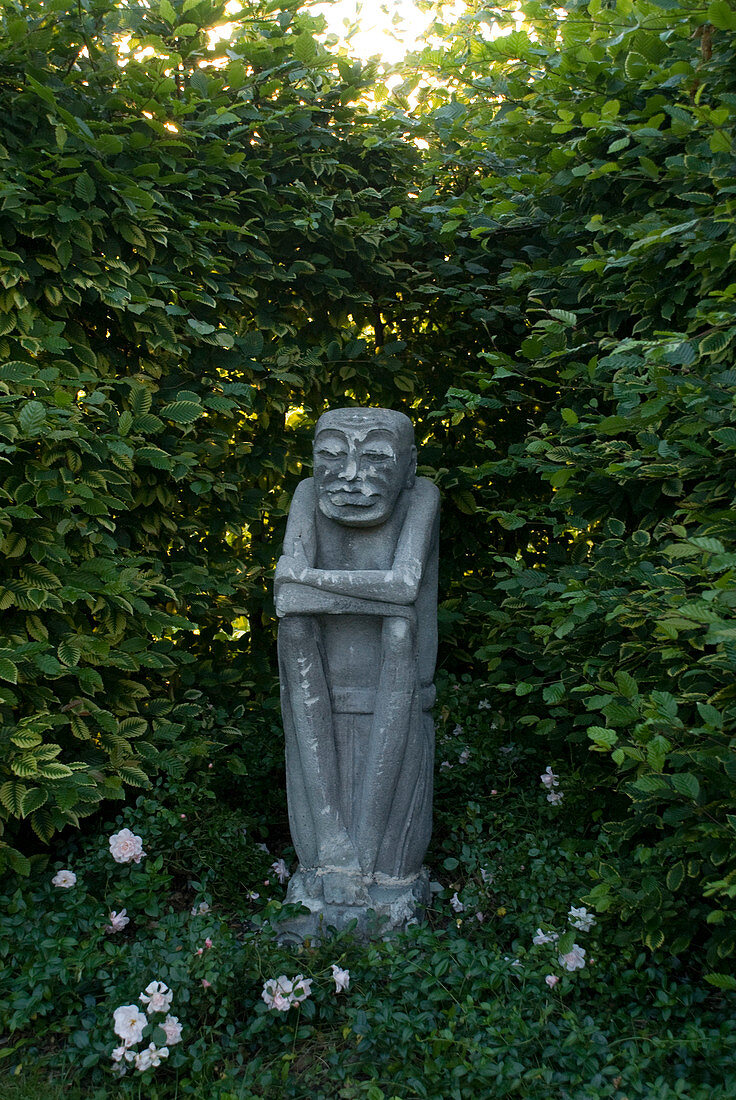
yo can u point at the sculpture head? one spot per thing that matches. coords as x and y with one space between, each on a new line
363 458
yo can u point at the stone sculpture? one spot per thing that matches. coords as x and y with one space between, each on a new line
356 596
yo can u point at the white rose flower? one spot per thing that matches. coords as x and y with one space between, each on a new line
573 960
129 1023
277 993
172 1029
157 997
581 918
549 778
65 879
544 937
281 870
126 847
342 978
118 921
151 1056
143 1060
301 989
281 993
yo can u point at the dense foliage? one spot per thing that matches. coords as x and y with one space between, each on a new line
180 253
529 246
606 402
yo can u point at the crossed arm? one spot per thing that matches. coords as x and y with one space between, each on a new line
302 589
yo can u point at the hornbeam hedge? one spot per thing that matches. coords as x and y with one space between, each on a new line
204 245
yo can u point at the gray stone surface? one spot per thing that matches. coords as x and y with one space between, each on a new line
356 595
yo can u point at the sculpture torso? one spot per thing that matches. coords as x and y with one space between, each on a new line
353 642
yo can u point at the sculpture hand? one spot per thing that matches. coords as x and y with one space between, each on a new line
289 570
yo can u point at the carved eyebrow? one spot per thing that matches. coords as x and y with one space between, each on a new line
379 447
330 438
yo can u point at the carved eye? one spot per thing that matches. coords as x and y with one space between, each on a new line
376 456
326 452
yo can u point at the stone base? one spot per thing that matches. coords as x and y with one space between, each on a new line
382 906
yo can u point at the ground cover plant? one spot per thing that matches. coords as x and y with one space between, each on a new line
514 987
527 245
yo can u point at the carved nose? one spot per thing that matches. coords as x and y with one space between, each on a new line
351 469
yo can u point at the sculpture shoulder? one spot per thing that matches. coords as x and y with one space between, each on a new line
304 495
425 494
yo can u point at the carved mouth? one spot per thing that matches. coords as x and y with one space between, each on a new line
354 497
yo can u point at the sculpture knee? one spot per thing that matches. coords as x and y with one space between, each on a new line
297 630
397 638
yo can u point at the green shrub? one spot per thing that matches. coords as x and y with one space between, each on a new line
609 625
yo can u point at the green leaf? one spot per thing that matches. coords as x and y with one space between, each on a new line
166 11
33 799
566 942
675 877
722 981
720 142
133 726
140 399
722 15
251 344
602 736
20 863
305 48
554 693
710 715
654 939
686 784
8 671
11 796
182 412
650 783
16 371
626 684
636 66
54 770
26 738
154 456
726 435
563 315
84 187
69 651
133 776
204 328
716 342
32 418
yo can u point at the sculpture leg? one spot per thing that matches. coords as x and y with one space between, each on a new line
388 739
306 697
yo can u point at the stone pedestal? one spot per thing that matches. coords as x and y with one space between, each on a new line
391 904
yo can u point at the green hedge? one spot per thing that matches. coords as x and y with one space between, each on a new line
610 625
198 260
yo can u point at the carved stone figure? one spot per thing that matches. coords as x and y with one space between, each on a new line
356 595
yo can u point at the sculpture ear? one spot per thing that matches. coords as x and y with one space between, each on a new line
412 469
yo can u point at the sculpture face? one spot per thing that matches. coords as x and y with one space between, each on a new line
363 458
